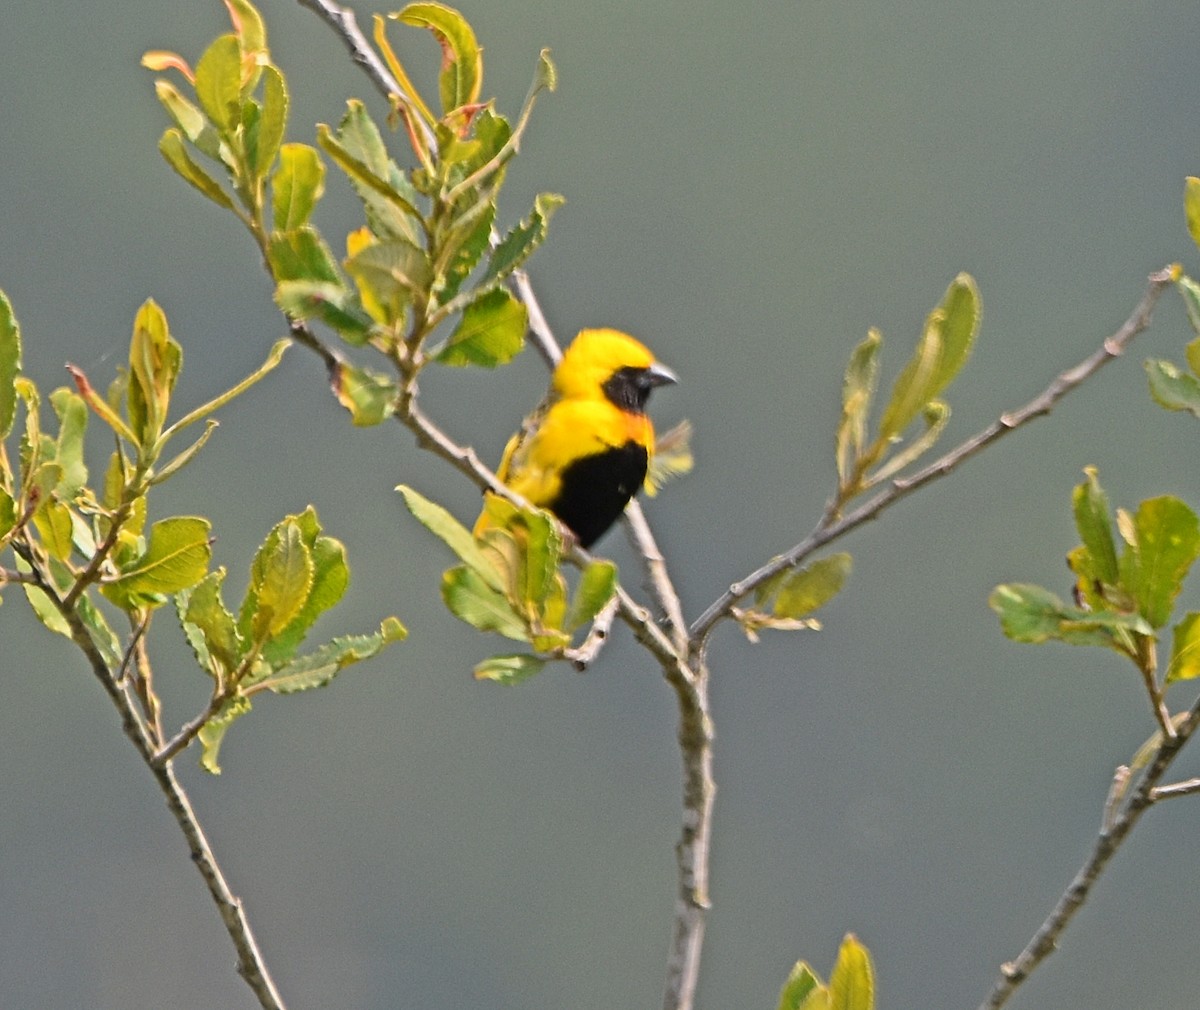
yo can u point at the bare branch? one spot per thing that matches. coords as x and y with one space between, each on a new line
1114 831
831 527
1175 790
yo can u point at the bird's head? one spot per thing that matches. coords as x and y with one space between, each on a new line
613 365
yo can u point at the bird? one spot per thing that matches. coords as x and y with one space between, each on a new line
584 452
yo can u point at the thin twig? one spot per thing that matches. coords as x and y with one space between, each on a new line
1175 790
251 966
831 528
342 20
1112 834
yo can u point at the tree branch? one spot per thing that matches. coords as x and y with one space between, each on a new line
1113 832
831 527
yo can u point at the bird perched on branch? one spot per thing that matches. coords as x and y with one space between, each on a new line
584 452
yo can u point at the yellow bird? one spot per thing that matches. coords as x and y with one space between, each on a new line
584 452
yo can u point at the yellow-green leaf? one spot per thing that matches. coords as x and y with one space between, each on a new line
1191 207
176 557
173 149
491 332
1185 650
10 364
296 186
462 60
219 82
852 983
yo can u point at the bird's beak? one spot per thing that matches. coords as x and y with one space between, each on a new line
660 375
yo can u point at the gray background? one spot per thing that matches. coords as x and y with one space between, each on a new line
750 187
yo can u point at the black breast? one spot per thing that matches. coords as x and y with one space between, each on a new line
597 488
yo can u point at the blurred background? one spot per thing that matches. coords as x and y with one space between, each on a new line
750 187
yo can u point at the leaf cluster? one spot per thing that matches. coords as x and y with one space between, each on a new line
427 255
851 986
510 582
83 553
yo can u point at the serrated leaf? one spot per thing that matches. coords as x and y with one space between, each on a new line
175 151
331 576
1173 388
852 982
491 332
455 536
1032 614
296 186
1164 542
1185 650
176 557
320 667
335 305
469 598
10 364
212 733
1094 523
282 576
858 390
388 197
369 396
520 243
509 669
209 626
300 254
941 351
219 82
1191 207
463 248
461 74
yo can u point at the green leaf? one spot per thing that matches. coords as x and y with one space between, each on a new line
219 82
191 121
41 604
1190 291
1173 388
463 247
212 733
491 332
248 24
335 305
941 351
272 122
320 667
388 197
852 983
1094 522
395 271
176 557
803 990
8 514
209 626
456 536
597 585
300 254
155 360
296 187
462 63
471 599
369 396
72 426
281 576
173 149
53 523
509 669
331 576
1033 614
1185 650
1191 207
182 459
101 633
798 593
1165 541
10 364
520 243
858 389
